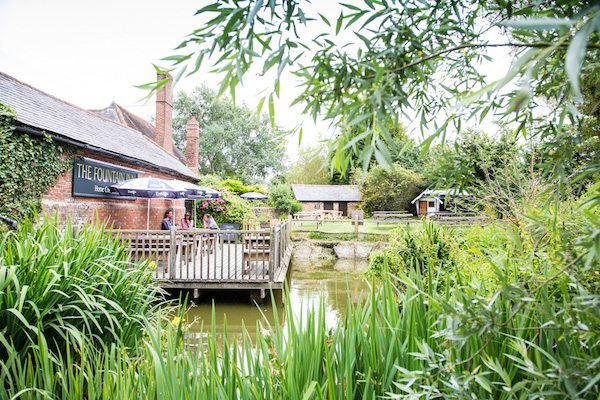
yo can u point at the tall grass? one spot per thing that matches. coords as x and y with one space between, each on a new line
399 344
408 340
61 292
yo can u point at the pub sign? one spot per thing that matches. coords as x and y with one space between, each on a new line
93 178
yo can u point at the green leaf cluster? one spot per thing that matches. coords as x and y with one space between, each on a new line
29 166
65 291
239 188
234 141
228 209
282 199
389 189
420 60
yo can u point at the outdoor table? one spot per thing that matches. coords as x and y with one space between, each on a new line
255 248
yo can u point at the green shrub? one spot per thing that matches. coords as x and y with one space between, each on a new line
391 190
29 166
282 199
71 291
211 180
418 250
228 209
237 187
402 342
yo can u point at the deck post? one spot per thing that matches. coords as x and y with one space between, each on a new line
272 253
172 253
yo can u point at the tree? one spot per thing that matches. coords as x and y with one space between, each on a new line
400 149
311 168
472 159
282 199
234 141
390 189
415 58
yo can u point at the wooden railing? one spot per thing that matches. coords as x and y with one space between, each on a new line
205 255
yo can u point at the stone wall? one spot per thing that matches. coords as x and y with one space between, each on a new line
349 256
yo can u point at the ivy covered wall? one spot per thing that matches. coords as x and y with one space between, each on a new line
29 166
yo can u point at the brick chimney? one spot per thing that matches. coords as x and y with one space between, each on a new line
164 114
191 150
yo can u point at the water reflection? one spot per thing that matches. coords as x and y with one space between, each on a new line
306 291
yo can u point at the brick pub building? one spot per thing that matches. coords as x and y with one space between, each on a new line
109 146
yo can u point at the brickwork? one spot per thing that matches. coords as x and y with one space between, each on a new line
311 205
164 115
352 206
191 151
121 214
318 205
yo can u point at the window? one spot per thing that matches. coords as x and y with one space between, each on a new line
317 206
431 204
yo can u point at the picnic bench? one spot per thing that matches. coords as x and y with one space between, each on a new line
459 218
318 215
308 215
384 215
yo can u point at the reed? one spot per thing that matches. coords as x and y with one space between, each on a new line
69 290
407 340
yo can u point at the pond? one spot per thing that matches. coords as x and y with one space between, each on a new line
309 289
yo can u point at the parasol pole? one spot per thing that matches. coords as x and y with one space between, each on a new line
148 215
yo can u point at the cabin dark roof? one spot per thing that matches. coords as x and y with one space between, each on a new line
40 110
326 192
125 117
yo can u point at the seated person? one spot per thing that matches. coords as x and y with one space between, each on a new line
167 222
187 222
210 223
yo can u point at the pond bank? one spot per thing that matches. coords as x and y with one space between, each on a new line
347 256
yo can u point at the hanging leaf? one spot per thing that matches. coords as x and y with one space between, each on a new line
576 54
271 110
340 21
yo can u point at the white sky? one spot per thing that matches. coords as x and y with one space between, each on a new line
91 53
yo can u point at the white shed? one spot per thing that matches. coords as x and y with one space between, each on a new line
432 201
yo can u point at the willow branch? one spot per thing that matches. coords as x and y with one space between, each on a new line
472 45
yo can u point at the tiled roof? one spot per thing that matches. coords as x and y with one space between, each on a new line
326 192
125 117
43 111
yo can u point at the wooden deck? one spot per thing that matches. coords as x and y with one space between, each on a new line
211 259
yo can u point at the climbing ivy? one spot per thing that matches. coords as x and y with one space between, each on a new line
29 166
